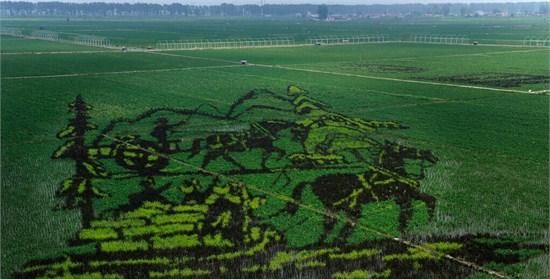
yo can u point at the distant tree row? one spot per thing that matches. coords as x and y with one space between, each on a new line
8 8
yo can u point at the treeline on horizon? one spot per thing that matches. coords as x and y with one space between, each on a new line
9 8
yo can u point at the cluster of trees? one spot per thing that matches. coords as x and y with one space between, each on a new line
8 8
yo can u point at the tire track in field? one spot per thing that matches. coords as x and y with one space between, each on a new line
118 72
391 79
382 108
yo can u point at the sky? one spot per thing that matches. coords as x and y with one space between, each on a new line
238 2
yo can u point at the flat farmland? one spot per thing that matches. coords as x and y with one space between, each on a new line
471 106
147 31
438 63
19 45
40 65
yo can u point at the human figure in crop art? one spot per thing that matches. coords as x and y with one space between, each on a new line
261 135
329 137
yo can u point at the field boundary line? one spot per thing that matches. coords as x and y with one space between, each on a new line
60 52
381 92
414 58
118 72
159 51
64 41
470 44
392 79
155 51
299 45
277 46
194 57
324 212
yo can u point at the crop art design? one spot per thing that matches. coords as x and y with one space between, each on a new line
496 79
383 68
274 186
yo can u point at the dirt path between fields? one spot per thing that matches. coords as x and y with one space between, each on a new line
118 72
393 79
59 52
133 50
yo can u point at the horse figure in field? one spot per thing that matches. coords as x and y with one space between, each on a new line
385 180
261 135
396 157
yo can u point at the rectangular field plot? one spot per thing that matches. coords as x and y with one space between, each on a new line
143 32
95 63
371 85
486 67
10 44
344 53
496 67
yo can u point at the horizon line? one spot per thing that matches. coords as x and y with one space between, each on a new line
282 2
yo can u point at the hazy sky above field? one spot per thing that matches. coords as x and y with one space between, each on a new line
214 2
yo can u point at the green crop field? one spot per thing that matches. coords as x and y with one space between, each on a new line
142 32
382 160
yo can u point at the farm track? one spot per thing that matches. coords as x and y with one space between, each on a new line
130 50
392 79
195 57
140 49
117 72
60 52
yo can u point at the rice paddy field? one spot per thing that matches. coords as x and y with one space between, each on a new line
381 160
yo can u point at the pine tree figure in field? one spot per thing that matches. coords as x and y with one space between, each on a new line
78 191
